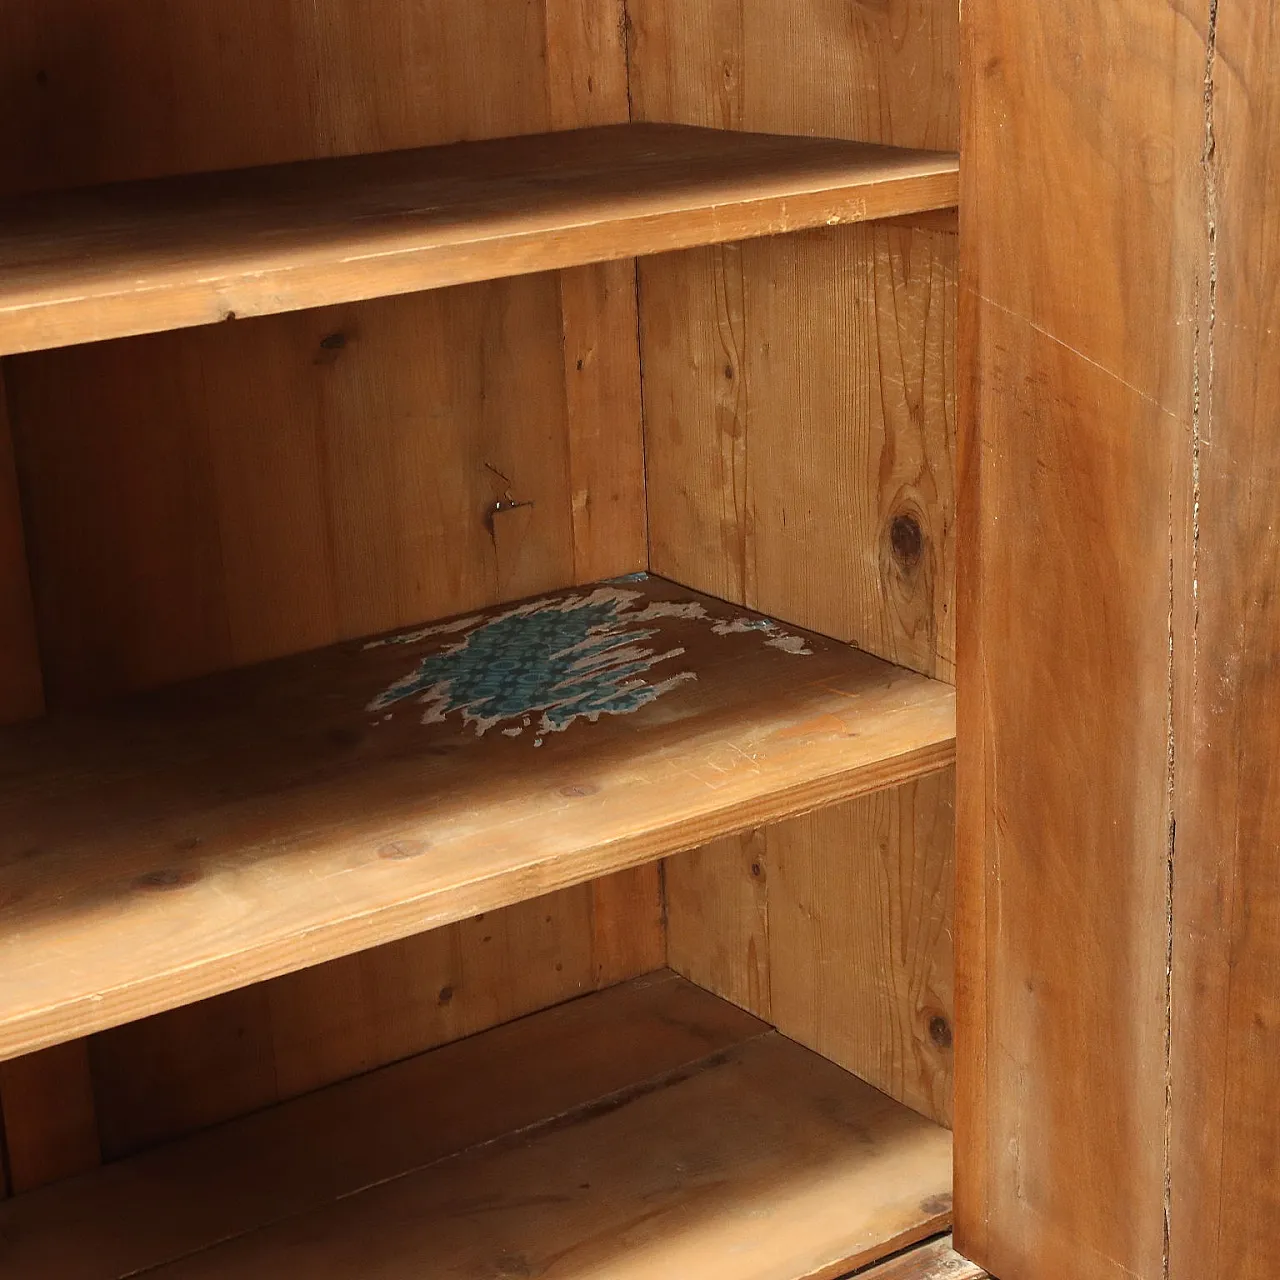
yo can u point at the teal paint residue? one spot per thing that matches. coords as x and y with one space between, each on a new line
576 657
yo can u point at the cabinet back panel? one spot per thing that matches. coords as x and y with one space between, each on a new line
799 391
276 485
107 90
835 928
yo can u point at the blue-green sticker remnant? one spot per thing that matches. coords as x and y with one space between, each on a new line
577 656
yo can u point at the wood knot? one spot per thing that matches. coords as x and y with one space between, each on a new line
940 1031
907 540
577 790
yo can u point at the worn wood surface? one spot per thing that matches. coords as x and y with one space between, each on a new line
936 1260
168 1075
1225 1178
799 391
269 1166
119 261
1082 230
378 435
709 1144
836 928
200 838
290 482
800 432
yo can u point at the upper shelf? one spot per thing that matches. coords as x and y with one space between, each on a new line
110 262
207 836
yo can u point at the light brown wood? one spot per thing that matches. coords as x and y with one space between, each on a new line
835 927
1224 1177
286 483
1079 221
259 822
21 686
606 465
699 1153
749 1164
271 491
168 1075
880 72
934 1261
812 478
799 391
1065 1038
285 1160
50 1130
114 262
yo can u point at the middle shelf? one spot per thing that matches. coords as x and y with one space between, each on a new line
210 835
141 257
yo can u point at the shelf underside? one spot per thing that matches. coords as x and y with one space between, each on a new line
648 1132
207 836
144 257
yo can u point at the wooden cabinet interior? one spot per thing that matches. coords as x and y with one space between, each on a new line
769 422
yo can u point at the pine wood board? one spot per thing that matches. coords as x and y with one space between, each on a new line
214 498
836 927
936 1260
679 1137
168 1075
223 495
1224 1192
130 259
799 391
771 1163
1082 221
200 838
178 1198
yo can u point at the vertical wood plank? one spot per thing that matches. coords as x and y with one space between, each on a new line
718 919
836 927
605 434
1084 133
181 1071
860 945
883 72
1224 1176
50 1128
21 682
587 84
99 90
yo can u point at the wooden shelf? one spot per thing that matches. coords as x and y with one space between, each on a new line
143 257
647 1132
210 835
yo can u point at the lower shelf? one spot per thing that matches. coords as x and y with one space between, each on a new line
648 1132
211 835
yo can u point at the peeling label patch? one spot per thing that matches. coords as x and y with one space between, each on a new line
576 656
777 637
